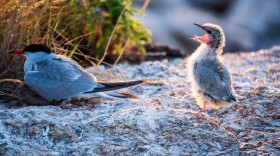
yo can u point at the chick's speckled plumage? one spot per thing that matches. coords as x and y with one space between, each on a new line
211 82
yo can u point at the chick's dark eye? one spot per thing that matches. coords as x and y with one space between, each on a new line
208 31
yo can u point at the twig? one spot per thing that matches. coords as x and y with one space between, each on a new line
112 34
126 43
171 87
145 5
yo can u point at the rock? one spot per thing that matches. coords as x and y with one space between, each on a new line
13 89
264 27
248 25
160 121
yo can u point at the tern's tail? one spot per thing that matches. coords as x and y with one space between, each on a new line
109 86
112 95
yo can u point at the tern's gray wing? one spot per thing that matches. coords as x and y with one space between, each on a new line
214 80
60 68
59 78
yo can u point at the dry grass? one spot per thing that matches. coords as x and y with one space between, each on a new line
28 21
21 24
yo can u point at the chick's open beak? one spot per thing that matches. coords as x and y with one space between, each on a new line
200 26
202 39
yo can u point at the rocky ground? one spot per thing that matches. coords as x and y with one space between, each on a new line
159 122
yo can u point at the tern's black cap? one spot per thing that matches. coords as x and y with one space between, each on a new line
33 48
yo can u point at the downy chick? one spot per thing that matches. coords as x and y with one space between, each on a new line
211 82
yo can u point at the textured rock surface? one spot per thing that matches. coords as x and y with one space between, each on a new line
159 122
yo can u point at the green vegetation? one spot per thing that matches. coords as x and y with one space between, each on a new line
95 27
97 20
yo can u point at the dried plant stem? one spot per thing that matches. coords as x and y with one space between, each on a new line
121 53
145 5
112 34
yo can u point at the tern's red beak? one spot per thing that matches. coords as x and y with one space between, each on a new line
207 38
19 52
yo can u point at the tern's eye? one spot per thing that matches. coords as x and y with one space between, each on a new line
209 32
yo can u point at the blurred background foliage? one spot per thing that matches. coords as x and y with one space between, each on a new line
97 20
80 27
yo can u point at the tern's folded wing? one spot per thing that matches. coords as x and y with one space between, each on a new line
59 69
59 78
212 82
